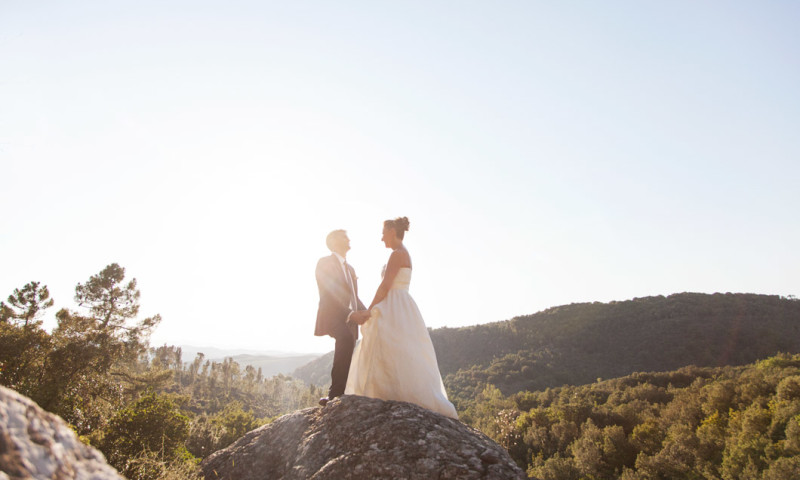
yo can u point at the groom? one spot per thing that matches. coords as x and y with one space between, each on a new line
338 299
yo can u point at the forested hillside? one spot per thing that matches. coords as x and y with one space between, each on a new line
730 423
579 343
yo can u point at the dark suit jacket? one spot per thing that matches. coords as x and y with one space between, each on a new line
334 298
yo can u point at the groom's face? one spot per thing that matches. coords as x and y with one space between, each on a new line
342 244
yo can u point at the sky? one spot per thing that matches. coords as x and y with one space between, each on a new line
546 153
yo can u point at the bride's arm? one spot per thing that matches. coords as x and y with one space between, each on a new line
394 265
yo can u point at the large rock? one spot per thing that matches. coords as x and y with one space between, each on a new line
362 438
38 444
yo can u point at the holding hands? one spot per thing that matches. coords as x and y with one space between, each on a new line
359 317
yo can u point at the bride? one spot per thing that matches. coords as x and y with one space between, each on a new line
395 359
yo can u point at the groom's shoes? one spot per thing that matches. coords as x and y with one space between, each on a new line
323 401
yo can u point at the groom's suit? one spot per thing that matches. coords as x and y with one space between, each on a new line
336 299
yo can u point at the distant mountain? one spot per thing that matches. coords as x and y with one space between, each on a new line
317 372
271 366
577 344
191 351
271 363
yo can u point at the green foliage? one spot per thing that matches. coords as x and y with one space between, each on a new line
23 349
725 423
152 466
204 436
152 414
107 299
26 305
23 342
234 422
151 424
113 305
72 374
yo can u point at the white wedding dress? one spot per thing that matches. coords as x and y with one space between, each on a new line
394 359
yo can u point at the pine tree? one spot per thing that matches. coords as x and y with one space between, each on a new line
26 305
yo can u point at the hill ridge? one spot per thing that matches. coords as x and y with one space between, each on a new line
580 342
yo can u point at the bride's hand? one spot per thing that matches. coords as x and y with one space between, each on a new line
360 317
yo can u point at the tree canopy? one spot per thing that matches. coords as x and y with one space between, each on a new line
152 414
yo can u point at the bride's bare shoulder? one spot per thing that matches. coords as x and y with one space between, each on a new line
401 258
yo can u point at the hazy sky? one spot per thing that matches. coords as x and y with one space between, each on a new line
545 152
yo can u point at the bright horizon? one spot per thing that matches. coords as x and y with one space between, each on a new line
545 154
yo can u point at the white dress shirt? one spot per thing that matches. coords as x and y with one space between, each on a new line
352 285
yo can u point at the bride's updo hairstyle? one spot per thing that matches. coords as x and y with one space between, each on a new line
400 226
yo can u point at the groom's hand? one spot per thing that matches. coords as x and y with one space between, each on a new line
359 317
353 317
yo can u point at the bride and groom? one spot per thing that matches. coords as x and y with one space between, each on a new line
394 359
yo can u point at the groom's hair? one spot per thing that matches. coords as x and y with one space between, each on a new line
334 237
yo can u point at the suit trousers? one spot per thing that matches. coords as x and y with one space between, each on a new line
342 354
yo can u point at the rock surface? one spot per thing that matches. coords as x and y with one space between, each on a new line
362 438
38 444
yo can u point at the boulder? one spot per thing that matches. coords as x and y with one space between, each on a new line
362 438
37 444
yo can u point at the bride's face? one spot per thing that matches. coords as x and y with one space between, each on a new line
388 237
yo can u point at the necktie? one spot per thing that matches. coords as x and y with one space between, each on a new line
353 301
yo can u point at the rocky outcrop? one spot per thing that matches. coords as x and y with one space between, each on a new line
38 444
362 438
